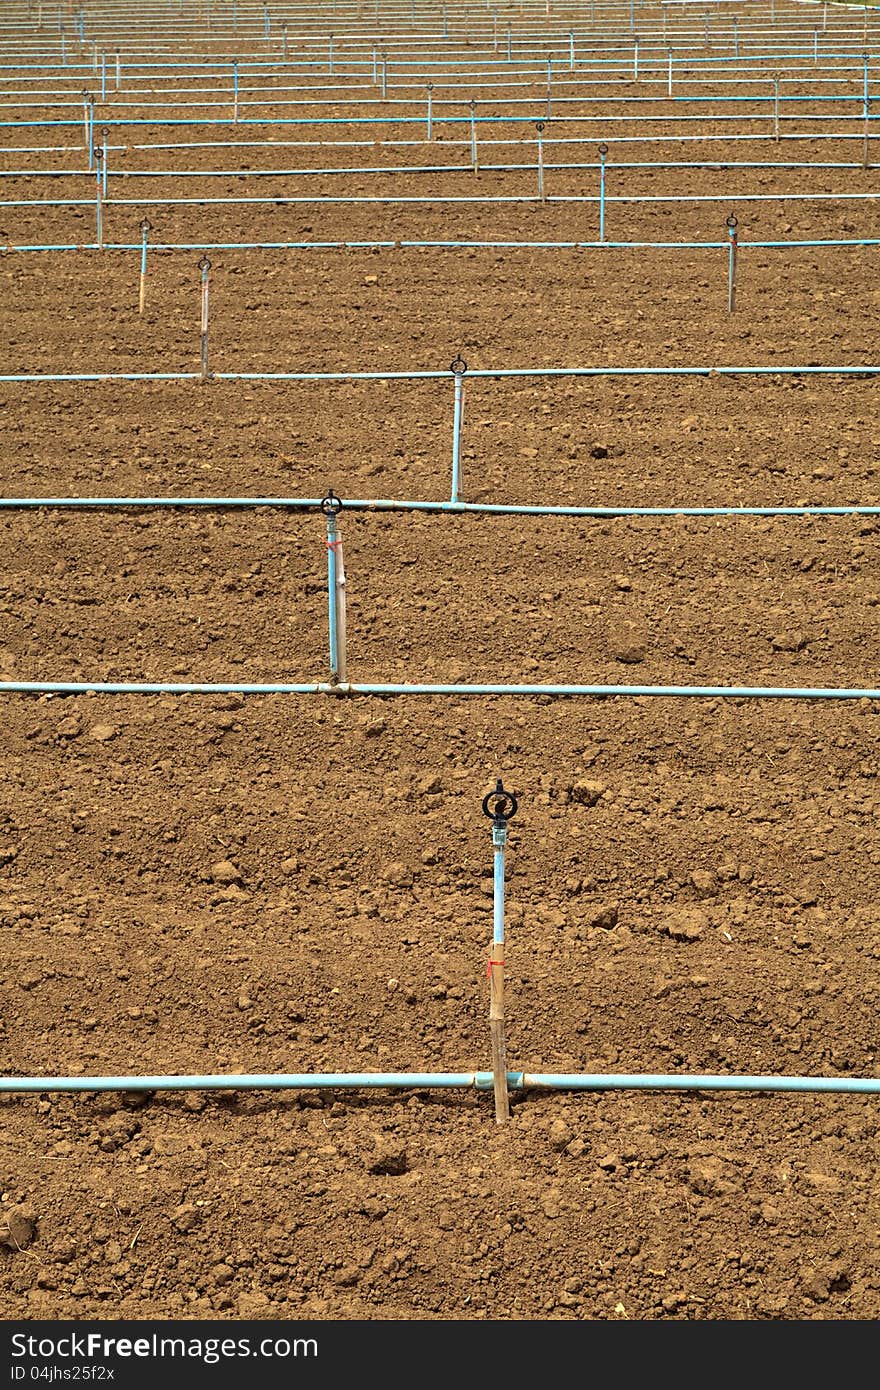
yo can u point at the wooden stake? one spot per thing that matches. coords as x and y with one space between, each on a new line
499 1043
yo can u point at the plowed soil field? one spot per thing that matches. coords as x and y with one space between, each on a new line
227 883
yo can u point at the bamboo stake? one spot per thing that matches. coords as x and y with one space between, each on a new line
499 1044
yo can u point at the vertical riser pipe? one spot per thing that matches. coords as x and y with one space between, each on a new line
458 369
99 212
331 505
146 228
331 599
204 268
731 263
501 805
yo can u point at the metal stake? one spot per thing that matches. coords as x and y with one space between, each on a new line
731 263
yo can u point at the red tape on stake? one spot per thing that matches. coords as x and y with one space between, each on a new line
489 963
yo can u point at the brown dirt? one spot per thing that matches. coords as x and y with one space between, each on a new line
713 910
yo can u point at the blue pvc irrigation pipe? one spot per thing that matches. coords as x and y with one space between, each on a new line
392 504
332 542
488 373
757 692
468 1080
458 370
498 893
438 245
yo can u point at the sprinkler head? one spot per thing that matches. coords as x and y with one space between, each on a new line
458 366
731 221
501 805
331 505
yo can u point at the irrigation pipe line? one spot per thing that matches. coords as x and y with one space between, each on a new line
435 245
358 169
433 374
343 688
517 141
322 200
414 62
53 99
467 1080
574 118
392 504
